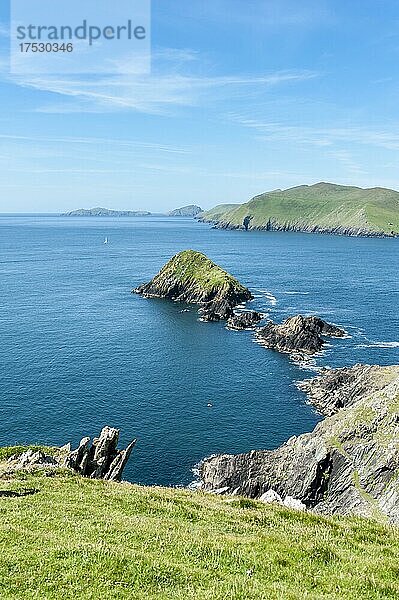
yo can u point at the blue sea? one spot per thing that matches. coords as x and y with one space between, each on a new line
79 351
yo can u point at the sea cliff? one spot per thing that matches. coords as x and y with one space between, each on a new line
349 464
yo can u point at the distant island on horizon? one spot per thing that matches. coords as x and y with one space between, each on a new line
185 211
319 208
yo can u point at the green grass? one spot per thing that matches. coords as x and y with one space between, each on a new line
191 266
217 211
324 205
7 451
84 539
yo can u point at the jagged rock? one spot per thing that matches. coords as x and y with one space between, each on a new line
349 464
297 335
244 320
101 460
32 458
337 388
191 277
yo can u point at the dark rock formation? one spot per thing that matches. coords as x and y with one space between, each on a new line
349 464
339 388
297 335
101 460
246 222
244 320
186 211
191 277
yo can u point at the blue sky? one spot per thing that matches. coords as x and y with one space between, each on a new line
244 96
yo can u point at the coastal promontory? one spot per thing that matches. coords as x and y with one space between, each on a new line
186 211
319 208
192 277
348 465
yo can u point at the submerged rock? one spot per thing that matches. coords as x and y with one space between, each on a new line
297 335
347 465
191 277
244 320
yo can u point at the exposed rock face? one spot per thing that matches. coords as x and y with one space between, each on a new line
349 464
186 211
31 459
101 460
191 277
338 388
244 320
297 335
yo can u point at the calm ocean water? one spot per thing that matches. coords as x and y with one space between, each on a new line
79 351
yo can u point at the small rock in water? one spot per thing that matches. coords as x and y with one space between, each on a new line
244 320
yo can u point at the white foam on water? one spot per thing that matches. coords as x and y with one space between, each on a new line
297 293
269 296
379 345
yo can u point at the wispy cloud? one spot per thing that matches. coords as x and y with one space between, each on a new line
176 82
98 142
321 136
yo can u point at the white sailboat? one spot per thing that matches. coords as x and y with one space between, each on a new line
106 241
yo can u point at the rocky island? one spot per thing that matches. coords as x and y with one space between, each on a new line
244 320
192 277
297 335
105 212
349 464
186 211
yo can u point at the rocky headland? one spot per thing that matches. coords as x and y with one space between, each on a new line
320 208
192 277
349 464
297 335
191 210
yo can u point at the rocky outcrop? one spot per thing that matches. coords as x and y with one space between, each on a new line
101 459
339 388
297 335
191 277
186 211
349 464
299 227
244 320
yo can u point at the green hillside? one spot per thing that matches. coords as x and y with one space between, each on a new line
322 207
88 539
217 211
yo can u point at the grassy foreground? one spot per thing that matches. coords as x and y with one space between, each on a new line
82 539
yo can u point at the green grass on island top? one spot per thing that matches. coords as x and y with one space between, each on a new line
85 539
323 205
192 266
